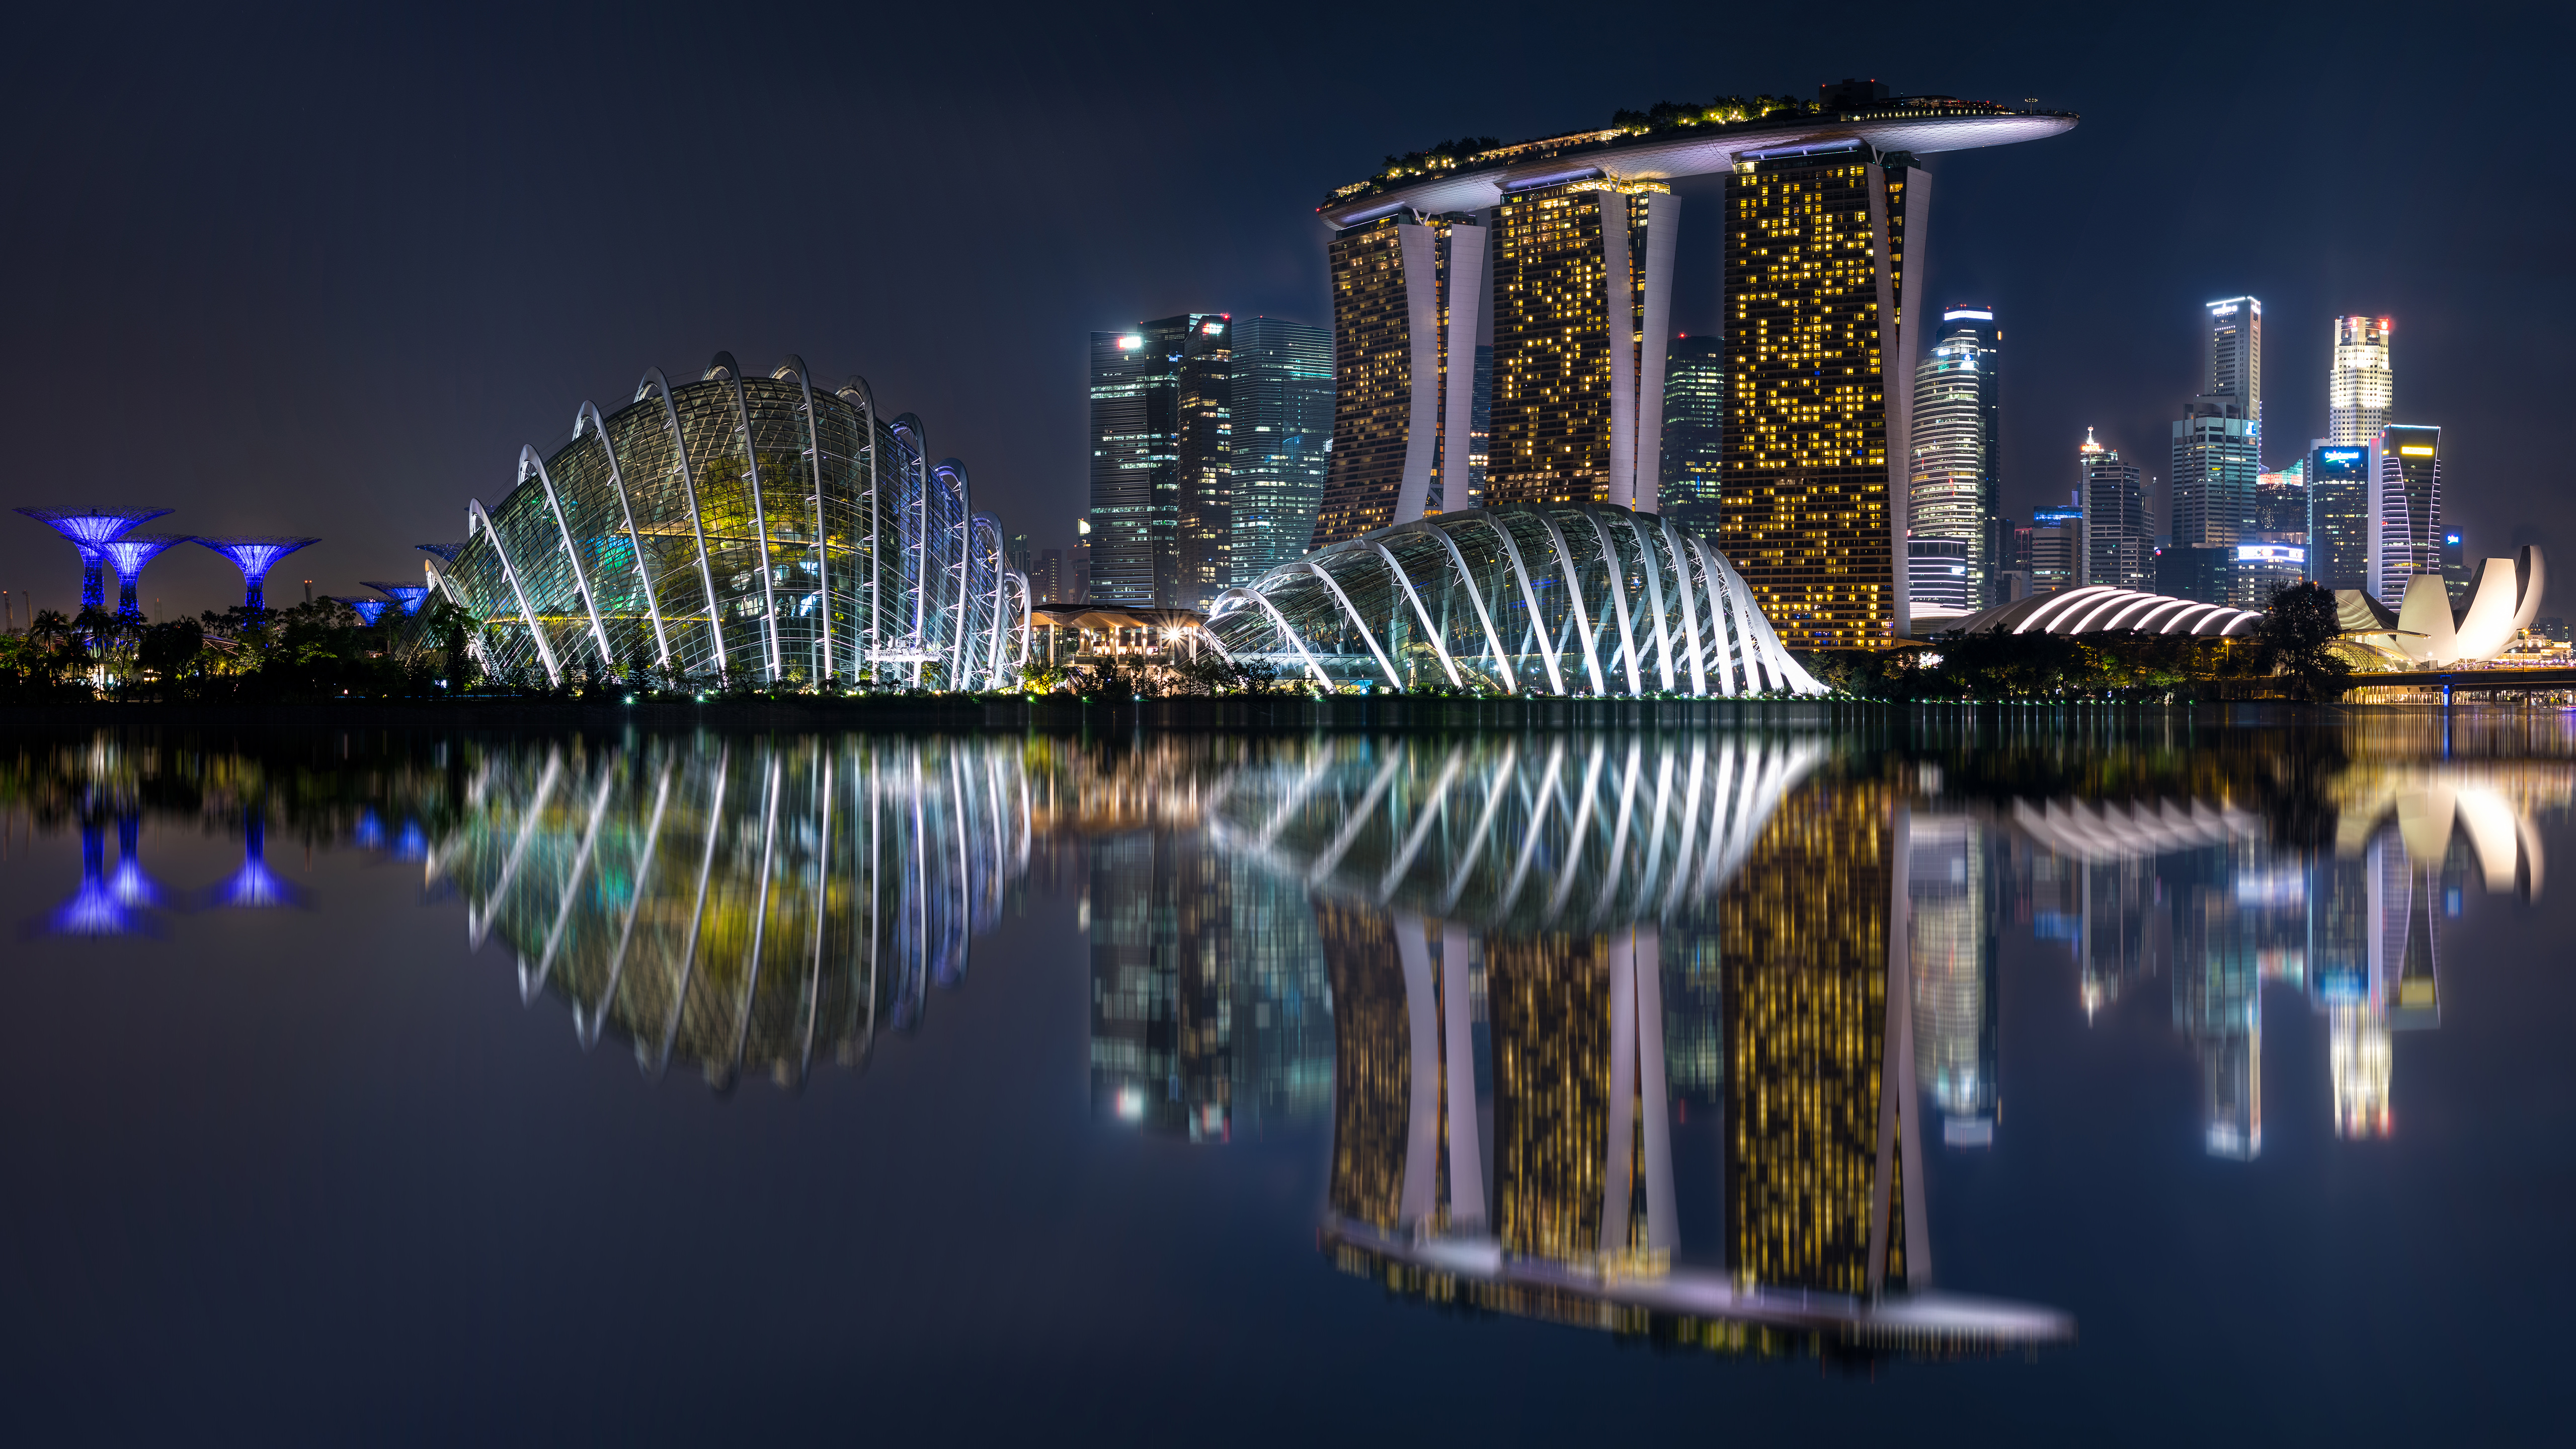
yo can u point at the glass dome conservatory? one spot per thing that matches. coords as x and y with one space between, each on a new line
758 528
1555 600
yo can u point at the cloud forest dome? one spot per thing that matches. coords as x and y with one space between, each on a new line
760 528
1554 600
1673 142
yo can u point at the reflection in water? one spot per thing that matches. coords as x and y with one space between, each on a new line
1647 1033
740 904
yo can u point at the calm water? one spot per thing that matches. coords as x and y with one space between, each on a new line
1972 1081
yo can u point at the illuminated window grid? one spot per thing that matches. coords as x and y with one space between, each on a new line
1549 438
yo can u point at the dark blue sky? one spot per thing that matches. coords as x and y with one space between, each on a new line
324 272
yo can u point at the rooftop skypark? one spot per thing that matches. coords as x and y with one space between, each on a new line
1674 139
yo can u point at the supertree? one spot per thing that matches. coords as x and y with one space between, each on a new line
254 885
410 596
447 551
369 610
91 530
128 555
255 554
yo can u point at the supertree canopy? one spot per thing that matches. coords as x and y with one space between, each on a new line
255 554
128 555
410 596
368 609
91 530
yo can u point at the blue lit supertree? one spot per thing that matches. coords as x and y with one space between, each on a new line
410 596
254 885
255 554
91 530
128 555
369 610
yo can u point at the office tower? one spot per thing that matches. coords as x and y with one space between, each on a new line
2236 360
1582 306
2215 461
2339 493
1016 556
1813 1039
1283 417
1952 961
2361 388
1161 462
1047 578
2257 571
1820 269
2055 550
1694 431
2281 505
1958 412
2118 543
2455 570
1936 571
1407 295
2406 509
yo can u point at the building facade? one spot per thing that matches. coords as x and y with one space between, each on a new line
2118 545
2406 509
1820 269
2362 387
1161 462
2054 553
1582 292
2235 364
1282 423
1407 296
1694 431
2216 457
1955 489
2340 510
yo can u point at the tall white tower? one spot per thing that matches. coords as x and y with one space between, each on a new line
2361 388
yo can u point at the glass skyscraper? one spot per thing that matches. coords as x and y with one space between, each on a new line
1283 418
1820 267
2361 388
2339 515
1694 431
1957 415
1161 462
1408 296
2236 358
2119 547
2406 509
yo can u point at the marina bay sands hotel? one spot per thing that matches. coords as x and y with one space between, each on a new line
1562 250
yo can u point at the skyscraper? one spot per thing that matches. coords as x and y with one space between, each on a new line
1820 267
1407 295
2119 543
1283 418
2340 510
2406 509
1161 511
1694 431
2056 545
1957 416
2236 359
2361 388
1582 305
2216 455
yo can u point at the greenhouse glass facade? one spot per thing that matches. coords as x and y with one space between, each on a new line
1560 599
760 529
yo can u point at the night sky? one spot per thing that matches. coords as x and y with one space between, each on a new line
325 272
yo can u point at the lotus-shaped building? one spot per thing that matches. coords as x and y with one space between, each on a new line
1559 599
767 529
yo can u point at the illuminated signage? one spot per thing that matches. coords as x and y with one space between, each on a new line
2222 309
1212 329
1965 313
2415 452
2270 553
2341 455
2450 538
1130 344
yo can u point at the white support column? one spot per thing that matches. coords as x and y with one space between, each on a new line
1618 582
1430 631
1529 596
1466 289
1654 568
1422 1139
1351 613
475 515
1690 607
1663 1228
1619 301
759 519
1574 602
626 511
530 462
1476 597
1618 1175
1466 1150
1418 247
1663 225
